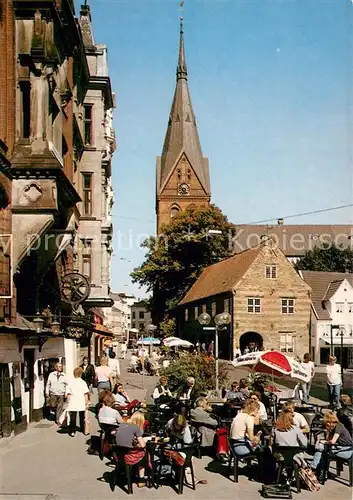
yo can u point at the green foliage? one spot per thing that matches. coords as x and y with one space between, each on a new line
199 367
328 258
256 379
176 259
168 327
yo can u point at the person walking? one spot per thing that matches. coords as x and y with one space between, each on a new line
104 375
334 381
78 400
56 390
114 365
309 367
88 373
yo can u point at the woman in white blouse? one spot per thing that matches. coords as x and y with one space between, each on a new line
78 400
242 429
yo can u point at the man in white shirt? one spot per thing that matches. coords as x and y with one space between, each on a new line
114 365
334 382
309 367
56 390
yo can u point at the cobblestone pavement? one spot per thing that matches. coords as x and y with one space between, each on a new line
43 464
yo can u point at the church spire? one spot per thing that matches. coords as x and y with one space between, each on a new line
182 72
182 170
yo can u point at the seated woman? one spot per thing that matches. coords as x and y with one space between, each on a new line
134 362
264 398
108 415
121 397
178 428
286 433
129 436
345 413
161 391
256 396
206 425
337 439
298 419
242 429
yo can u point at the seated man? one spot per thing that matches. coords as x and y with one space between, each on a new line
188 391
235 393
161 391
205 424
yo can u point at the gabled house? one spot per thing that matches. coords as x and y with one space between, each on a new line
268 302
332 309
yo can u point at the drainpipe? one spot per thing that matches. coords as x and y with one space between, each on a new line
232 324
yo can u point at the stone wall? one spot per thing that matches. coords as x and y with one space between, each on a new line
270 323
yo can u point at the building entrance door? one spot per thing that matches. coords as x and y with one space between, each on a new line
5 401
28 380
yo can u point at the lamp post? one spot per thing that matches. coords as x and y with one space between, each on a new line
342 330
333 327
221 321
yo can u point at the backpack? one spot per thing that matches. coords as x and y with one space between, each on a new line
276 491
308 477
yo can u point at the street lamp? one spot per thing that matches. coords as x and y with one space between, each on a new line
38 322
55 326
221 321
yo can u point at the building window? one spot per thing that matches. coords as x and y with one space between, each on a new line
196 311
133 325
87 124
213 309
87 194
87 260
25 90
254 305
287 342
287 306
339 307
350 307
271 272
141 315
133 315
174 211
204 308
141 326
186 317
226 305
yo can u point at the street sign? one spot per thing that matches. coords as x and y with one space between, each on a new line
209 328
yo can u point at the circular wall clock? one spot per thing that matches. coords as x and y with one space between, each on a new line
183 189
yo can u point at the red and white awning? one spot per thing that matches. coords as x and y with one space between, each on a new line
273 363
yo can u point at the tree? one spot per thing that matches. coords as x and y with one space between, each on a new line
201 368
176 259
329 258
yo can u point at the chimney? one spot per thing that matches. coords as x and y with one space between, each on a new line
280 222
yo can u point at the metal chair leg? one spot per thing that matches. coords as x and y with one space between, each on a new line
128 474
297 478
236 469
279 473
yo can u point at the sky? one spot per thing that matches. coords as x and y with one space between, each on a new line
271 83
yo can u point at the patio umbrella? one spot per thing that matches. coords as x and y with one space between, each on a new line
178 343
273 363
148 341
169 339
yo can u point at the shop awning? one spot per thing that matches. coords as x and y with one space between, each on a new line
102 330
346 341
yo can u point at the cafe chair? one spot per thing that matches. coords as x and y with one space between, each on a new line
284 456
122 466
235 459
106 439
340 462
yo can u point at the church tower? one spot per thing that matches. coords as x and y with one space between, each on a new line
182 172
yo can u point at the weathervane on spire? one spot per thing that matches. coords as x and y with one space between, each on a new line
181 8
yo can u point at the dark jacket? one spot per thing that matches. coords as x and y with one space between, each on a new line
345 416
89 374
